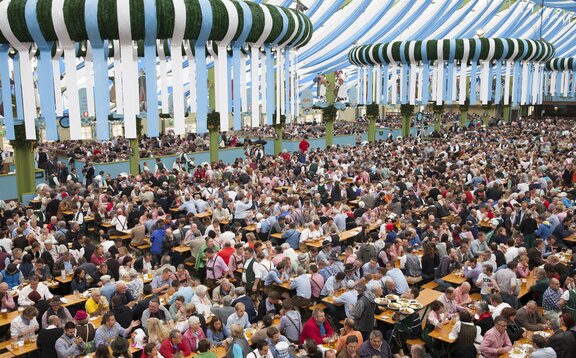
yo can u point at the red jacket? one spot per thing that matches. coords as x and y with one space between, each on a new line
167 350
312 330
304 145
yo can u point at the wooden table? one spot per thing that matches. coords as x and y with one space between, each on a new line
219 351
525 288
571 238
454 278
10 317
442 333
348 234
330 299
25 349
205 214
426 297
74 300
277 235
181 249
314 243
521 341
68 278
251 227
285 285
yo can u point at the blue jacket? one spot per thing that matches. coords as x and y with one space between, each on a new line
156 240
544 231
12 280
292 237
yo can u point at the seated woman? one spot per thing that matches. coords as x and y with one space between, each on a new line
515 332
194 333
217 332
79 282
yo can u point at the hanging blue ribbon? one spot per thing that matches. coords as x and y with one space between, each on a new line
100 61
269 84
386 73
370 97
201 70
18 87
46 76
6 91
473 73
150 25
516 81
449 88
287 81
425 73
247 14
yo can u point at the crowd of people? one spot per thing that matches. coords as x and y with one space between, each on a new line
257 258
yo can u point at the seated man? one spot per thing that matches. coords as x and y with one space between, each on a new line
110 330
174 343
317 328
496 341
68 345
462 294
529 318
375 346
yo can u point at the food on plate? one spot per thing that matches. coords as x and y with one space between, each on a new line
416 306
381 301
394 306
406 310
392 297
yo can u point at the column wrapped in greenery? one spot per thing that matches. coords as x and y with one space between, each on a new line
438 110
135 148
486 108
407 110
279 129
372 113
24 161
329 115
213 124
464 112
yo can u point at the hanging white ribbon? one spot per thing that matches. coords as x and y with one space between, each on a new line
440 80
163 77
177 60
26 72
394 83
462 90
524 89
89 79
293 88
536 85
278 92
57 83
434 70
412 85
129 69
118 78
566 85
454 78
378 80
507 82
70 64
255 73
485 84
553 79
420 80
243 84
191 75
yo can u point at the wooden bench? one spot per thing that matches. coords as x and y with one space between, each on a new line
414 342
476 297
7 354
122 237
431 285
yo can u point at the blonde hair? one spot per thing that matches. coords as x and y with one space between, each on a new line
157 332
123 251
236 331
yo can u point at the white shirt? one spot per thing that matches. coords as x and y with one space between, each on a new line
511 253
42 289
6 243
498 309
456 330
264 267
17 326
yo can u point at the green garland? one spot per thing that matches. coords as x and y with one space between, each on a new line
464 107
329 114
537 51
16 11
75 15
20 141
372 111
406 109
44 13
75 24
220 21
282 123
438 108
213 121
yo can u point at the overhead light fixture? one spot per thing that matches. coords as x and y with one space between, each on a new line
480 33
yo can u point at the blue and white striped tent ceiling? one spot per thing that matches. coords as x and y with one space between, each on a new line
339 24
